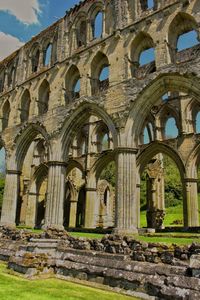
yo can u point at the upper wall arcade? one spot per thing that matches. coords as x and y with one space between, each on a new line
101 85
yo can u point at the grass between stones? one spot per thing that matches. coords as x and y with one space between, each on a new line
18 288
178 238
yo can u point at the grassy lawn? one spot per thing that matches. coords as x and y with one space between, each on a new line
168 240
172 214
17 288
87 235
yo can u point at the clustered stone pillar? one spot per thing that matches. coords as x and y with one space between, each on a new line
126 219
90 207
31 209
11 191
155 193
55 194
73 212
191 212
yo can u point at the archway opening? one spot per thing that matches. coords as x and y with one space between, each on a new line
74 202
31 200
35 60
47 55
80 216
187 40
25 106
147 56
106 196
161 194
97 27
99 73
5 114
171 130
72 84
41 203
43 97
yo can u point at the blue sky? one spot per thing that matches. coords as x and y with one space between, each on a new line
22 19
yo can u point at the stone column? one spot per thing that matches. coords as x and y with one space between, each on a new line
31 209
91 207
191 212
73 212
10 198
155 193
55 194
126 213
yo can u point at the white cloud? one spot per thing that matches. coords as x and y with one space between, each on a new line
26 11
8 44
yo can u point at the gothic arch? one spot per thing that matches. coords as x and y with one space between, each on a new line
77 119
100 164
182 23
23 141
148 98
155 148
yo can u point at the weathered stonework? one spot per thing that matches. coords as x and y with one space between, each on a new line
160 271
54 133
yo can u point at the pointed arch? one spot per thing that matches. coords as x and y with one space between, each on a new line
142 54
23 142
149 97
5 114
181 24
25 106
99 73
43 97
72 84
77 119
155 148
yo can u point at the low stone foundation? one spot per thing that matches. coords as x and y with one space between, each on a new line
123 262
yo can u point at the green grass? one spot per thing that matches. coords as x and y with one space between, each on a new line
172 214
168 240
87 235
17 288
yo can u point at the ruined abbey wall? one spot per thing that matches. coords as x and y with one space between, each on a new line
59 137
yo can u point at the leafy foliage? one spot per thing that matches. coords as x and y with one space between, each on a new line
173 185
109 172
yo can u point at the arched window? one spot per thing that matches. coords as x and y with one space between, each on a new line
147 4
43 100
72 84
148 134
147 56
100 73
104 78
150 4
187 40
35 60
182 36
97 27
6 114
11 76
142 56
198 122
25 105
171 130
76 89
81 33
47 55
105 142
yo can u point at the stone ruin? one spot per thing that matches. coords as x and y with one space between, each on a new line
145 270
74 99
71 102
